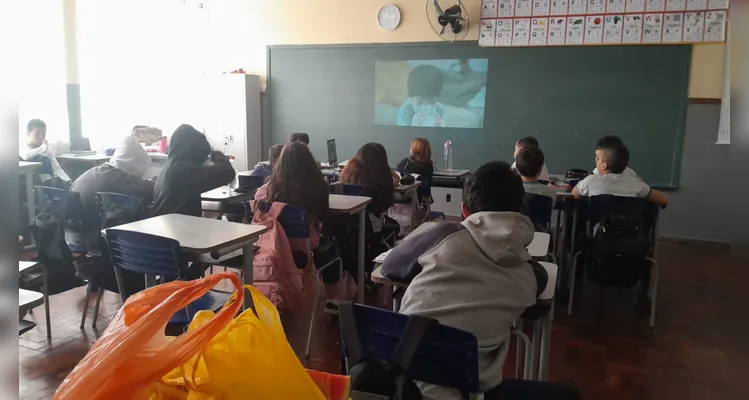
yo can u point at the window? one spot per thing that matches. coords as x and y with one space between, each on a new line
140 62
43 74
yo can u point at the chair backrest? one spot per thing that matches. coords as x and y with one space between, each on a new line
293 219
117 208
446 356
539 209
52 199
622 235
145 254
345 189
638 209
253 182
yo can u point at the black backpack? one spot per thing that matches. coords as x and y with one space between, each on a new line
388 378
619 248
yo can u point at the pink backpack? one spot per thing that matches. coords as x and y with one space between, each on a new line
275 273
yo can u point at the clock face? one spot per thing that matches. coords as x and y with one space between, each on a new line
389 17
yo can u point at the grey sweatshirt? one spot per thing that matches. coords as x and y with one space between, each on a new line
473 276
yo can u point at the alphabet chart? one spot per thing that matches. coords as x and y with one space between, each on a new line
512 23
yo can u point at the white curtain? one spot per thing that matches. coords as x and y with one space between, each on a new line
43 75
141 62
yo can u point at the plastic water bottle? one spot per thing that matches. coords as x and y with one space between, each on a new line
448 155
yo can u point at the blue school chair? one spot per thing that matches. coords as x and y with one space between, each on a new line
346 190
114 209
446 356
154 256
619 243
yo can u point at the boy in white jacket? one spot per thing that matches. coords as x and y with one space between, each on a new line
37 149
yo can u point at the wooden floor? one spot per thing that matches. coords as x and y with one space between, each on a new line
699 349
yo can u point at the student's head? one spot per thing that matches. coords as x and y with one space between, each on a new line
189 144
298 137
425 84
369 168
297 180
528 141
274 153
421 151
529 162
36 130
612 160
609 141
130 157
493 187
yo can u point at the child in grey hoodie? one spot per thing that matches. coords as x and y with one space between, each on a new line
473 275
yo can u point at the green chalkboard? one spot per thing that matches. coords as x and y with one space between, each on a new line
567 97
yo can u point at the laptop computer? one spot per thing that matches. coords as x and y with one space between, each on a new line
332 154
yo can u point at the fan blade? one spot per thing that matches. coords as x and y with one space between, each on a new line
438 8
442 32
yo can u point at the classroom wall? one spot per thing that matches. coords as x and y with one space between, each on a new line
252 25
695 211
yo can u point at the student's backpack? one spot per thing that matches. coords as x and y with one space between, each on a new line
619 246
385 378
48 232
275 272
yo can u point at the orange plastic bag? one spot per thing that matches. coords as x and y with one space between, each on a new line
133 353
250 358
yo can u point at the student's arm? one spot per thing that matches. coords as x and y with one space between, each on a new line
218 174
581 189
405 114
401 167
402 264
57 169
658 197
27 152
142 188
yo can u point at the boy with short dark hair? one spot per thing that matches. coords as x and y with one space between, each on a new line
611 163
299 137
611 142
422 107
473 275
526 142
36 148
529 162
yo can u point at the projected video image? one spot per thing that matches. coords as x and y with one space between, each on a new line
431 93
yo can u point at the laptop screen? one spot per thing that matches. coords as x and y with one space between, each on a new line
332 155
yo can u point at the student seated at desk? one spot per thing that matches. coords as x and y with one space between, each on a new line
609 142
611 163
185 177
36 149
530 141
370 169
529 162
419 161
473 275
263 169
122 174
293 182
297 182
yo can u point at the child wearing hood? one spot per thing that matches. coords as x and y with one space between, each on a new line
122 174
186 174
473 275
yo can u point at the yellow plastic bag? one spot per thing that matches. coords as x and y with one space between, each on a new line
250 358
133 352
